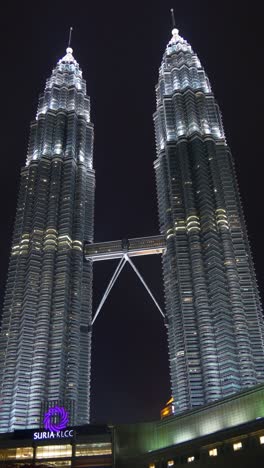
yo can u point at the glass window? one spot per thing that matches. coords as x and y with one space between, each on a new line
16 453
261 439
237 446
7 454
24 452
103 448
213 452
190 459
54 464
170 463
54 451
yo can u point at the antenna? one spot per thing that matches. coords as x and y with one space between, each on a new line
173 18
70 35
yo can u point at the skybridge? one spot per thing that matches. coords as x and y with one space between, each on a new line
125 250
133 247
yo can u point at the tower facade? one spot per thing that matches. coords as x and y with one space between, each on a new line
215 322
45 337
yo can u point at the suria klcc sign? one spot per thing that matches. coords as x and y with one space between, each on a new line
55 430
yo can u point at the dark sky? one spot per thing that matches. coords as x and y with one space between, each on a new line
119 46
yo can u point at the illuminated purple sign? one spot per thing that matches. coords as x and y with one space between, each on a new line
55 430
61 414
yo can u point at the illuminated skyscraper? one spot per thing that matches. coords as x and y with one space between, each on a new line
46 334
213 312
215 322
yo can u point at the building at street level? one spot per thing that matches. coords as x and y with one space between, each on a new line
46 335
215 322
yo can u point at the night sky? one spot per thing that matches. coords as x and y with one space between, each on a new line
119 46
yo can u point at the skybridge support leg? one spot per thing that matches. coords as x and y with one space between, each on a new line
125 258
117 272
144 283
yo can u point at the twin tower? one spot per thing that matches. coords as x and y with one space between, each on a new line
213 313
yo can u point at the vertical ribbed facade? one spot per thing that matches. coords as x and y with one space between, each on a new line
45 342
215 322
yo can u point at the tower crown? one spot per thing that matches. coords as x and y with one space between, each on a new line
63 109
184 86
180 68
177 43
68 58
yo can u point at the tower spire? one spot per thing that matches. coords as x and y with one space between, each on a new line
69 57
175 31
173 18
70 36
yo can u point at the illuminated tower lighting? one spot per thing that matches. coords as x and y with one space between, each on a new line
215 321
45 339
213 313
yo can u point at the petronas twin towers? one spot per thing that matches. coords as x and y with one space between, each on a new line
213 312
